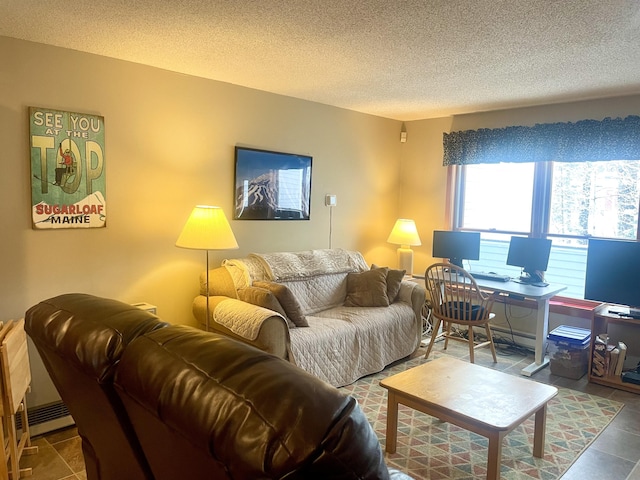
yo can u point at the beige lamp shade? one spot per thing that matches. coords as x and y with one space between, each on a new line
404 233
207 229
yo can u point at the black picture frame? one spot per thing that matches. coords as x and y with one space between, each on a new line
271 185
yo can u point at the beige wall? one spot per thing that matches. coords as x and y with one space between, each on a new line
169 146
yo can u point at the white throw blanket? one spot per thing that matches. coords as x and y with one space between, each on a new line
283 266
242 318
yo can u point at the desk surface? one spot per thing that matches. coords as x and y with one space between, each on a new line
522 289
516 288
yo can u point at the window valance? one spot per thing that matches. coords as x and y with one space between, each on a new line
585 140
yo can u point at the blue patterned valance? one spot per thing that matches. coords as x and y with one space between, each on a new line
608 139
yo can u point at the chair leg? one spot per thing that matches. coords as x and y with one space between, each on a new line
434 335
4 468
447 333
471 344
14 457
491 345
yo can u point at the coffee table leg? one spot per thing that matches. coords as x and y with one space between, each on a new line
392 423
539 431
495 456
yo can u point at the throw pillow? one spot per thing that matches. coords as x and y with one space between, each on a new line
262 297
367 289
394 280
220 283
288 301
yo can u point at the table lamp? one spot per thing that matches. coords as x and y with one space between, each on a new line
405 233
207 229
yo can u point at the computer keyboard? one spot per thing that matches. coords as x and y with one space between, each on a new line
496 277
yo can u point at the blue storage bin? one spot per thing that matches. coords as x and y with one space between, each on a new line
572 336
569 351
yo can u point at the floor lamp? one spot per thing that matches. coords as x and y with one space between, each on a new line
405 234
207 229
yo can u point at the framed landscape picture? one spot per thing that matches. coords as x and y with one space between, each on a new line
271 185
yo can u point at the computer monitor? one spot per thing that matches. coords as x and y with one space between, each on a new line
456 246
613 267
532 255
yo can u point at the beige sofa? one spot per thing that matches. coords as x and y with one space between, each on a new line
326 311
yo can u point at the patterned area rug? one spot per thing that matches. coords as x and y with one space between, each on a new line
430 449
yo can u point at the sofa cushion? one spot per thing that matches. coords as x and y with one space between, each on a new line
316 294
367 289
288 301
394 280
264 298
206 406
220 283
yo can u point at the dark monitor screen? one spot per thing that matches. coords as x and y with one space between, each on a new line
531 254
612 272
456 246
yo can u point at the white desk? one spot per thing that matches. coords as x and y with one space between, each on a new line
541 295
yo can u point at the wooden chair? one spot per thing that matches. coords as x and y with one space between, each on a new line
16 380
456 299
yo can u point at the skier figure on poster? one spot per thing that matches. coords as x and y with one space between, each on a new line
66 162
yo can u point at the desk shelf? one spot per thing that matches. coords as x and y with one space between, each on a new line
599 324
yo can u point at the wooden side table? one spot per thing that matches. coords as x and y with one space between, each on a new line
476 398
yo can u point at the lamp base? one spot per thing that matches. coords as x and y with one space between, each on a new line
405 260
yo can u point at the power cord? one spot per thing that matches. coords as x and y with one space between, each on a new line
505 346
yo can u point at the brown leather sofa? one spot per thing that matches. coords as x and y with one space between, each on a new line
153 401
80 339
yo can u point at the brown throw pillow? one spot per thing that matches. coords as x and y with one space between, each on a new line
220 283
367 289
394 280
262 297
287 300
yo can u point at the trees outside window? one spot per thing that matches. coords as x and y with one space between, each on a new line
598 199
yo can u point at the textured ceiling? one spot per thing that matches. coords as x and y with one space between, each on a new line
401 59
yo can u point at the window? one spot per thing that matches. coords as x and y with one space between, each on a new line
597 199
498 197
566 202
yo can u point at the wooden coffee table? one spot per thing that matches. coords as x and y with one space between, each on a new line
479 399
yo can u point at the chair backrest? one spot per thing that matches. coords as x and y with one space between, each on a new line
80 339
455 295
206 406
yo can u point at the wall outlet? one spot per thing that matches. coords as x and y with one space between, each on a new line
330 200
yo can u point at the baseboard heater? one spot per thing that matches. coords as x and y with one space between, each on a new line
523 339
45 418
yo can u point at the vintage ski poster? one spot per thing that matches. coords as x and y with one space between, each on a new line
67 169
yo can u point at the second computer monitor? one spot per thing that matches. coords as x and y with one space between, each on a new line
531 254
456 246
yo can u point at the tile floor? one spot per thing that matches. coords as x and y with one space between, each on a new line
59 456
614 455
